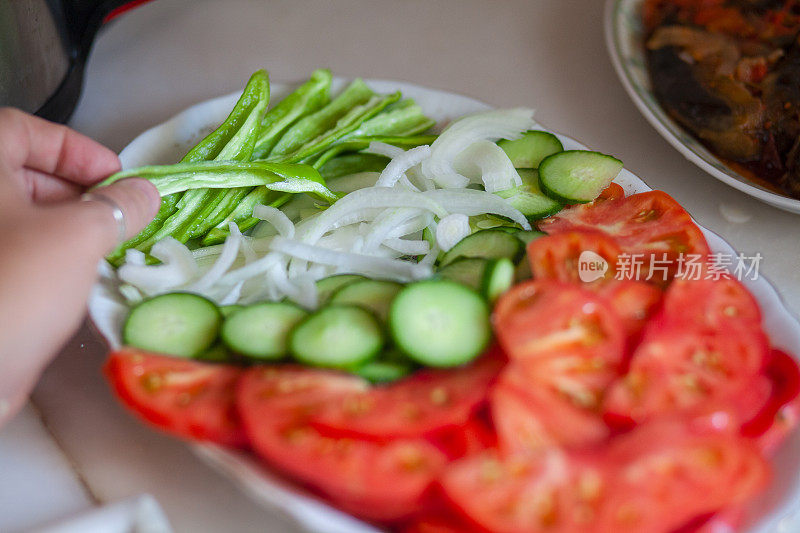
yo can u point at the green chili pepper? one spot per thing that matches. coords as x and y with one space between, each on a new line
287 177
243 214
312 126
306 99
358 144
403 118
234 138
348 123
351 163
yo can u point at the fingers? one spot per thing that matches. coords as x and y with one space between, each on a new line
92 223
44 189
30 142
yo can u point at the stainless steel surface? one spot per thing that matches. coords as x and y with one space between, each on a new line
33 57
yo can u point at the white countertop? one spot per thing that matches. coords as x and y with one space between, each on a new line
169 54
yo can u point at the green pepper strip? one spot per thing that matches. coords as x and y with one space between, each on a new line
245 128
356 145
286 177
306 99
312 134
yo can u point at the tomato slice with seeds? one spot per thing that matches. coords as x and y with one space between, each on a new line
587 258
711 304
677 368
665 475
190 399
552 401
781 413
380 482
548 492
651 223
538 318
428 401
475 436
612 192
634 302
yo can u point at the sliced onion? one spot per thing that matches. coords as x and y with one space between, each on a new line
487 126
374 197
178 268
485 162
451 229
277 218
226 259
471 202
384 149
408 247
355 263
397 167
383 226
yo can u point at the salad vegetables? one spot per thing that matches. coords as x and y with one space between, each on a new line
405 330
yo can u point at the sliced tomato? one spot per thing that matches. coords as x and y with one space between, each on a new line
585 257
419 405
549 402
652 224
380 482
539 318
548 492
190 399
677 368
780 414
475 436
665 475
440 521
612 192
634 302
711 304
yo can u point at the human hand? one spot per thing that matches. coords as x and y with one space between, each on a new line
51 240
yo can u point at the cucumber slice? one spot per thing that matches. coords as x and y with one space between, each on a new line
261 331
529 150
384 371
228 310
440 323
218 353
497 278
488 244
178 323
327 286
577 176
467 271
528 236
528 197
337 336
372 294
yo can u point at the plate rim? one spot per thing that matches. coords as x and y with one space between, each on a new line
613 35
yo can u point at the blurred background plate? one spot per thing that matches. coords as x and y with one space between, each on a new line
625 41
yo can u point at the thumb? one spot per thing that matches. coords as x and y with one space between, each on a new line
138 200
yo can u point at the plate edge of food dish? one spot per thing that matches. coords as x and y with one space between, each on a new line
620 27
232 464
